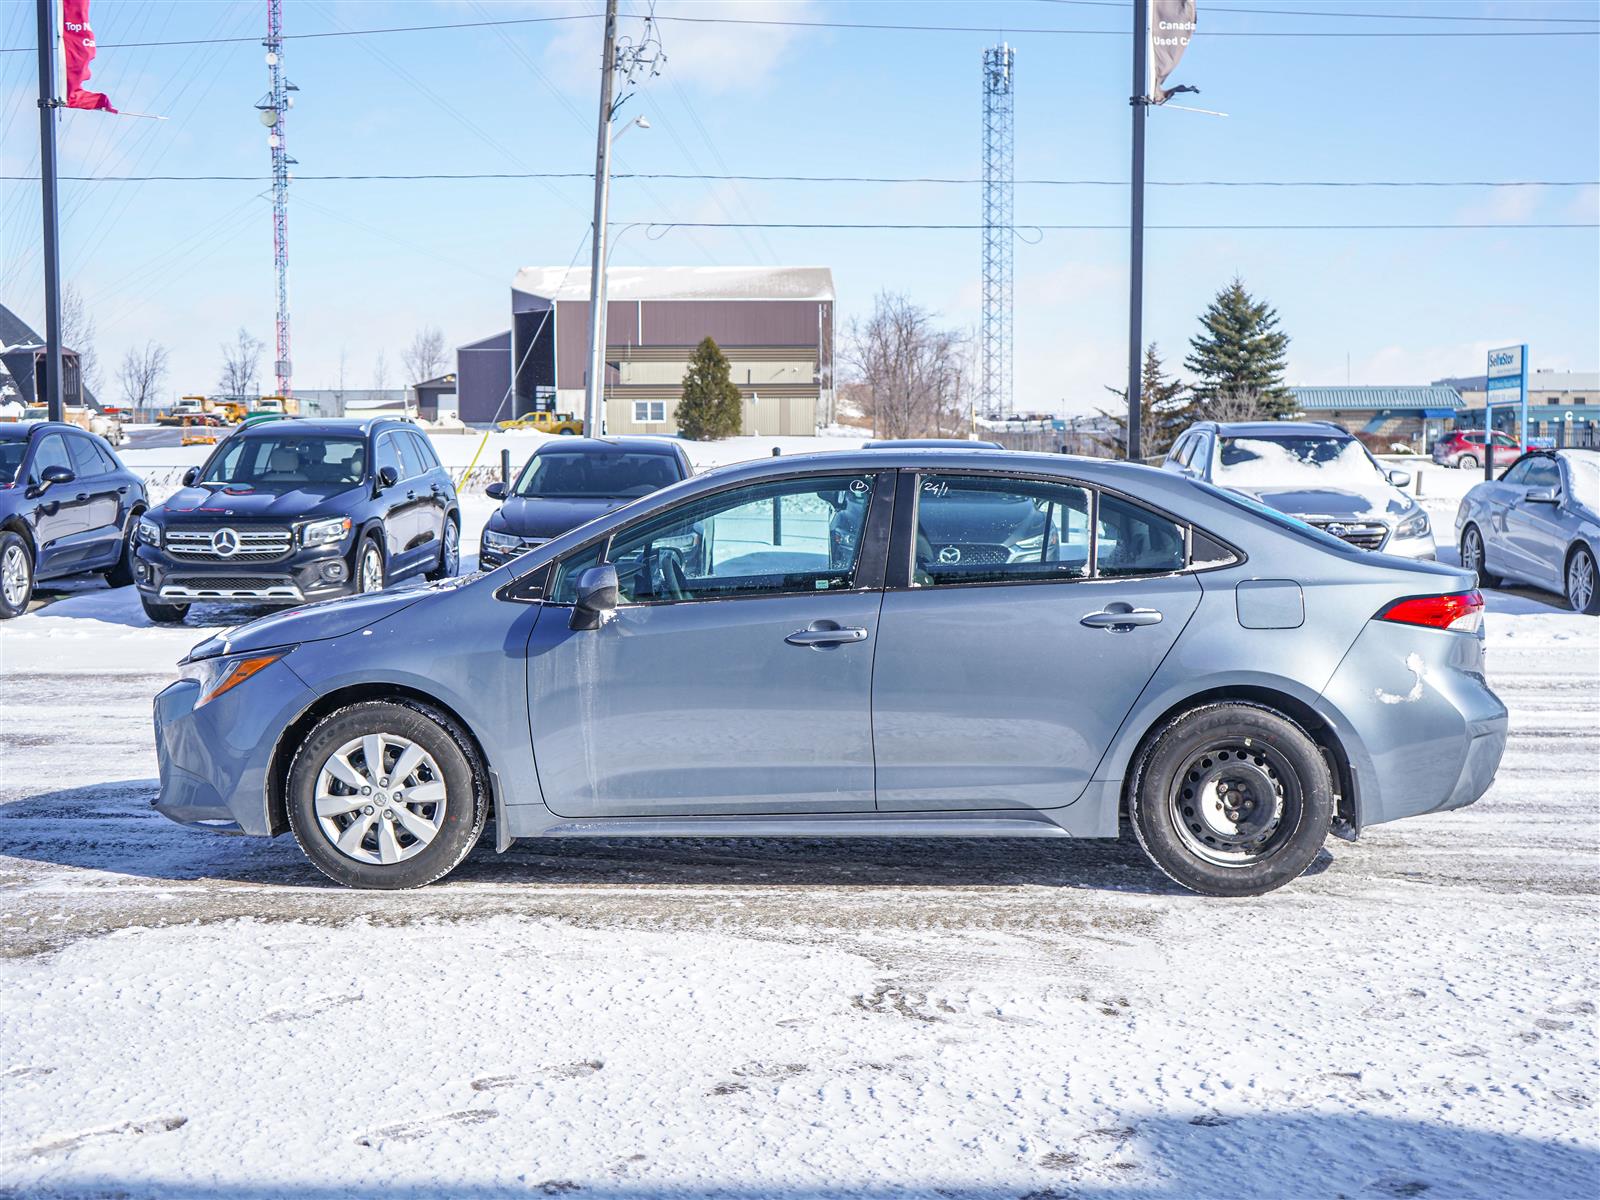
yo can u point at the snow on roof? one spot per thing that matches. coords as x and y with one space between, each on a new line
681 283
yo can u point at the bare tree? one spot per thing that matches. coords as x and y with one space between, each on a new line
241 363
425 357
915 377
1234 406
141 375
77 333
380 373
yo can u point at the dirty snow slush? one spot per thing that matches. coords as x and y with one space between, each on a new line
195 1016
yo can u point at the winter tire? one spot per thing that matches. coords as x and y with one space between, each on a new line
1475 558
449 552
371 574
121 572
163 614
383 795
1583 583
16 575
1231 800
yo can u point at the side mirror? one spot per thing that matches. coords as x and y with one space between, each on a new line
190 476
388 477
597 597
1543 496
495 491
1399 478
54 475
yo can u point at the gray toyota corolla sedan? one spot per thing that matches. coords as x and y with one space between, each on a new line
876 643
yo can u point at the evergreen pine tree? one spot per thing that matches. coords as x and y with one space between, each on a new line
1163 410
1239 355
710 407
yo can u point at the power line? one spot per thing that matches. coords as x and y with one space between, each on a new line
1358 16
692 177
1024 227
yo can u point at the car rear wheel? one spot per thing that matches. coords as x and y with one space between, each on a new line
163 614
121 572
1475 558
449 552
383 795
16 575
1583 587
1232 800
371 574
1468 462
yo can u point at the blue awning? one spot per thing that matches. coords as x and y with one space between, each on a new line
1432 413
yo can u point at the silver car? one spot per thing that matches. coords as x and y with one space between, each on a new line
1312 470
880 643
1538 523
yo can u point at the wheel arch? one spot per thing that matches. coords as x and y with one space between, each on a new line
294 733
1347 807
17 525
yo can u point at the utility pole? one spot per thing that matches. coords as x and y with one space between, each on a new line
1140 103
49 34
273 108
594 394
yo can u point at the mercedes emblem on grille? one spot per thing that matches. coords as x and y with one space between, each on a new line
225 543
950 554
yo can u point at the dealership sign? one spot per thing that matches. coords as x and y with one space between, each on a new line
1507 383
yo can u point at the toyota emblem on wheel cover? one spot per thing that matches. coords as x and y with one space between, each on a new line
224 543
950 554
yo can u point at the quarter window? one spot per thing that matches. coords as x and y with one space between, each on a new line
974 529
782 536
1542 473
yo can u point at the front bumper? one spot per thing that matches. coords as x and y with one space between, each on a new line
215 760
314 573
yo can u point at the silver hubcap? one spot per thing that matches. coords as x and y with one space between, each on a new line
1471 551
14 576
1580 581
452 548
380 799
1230 802
371 570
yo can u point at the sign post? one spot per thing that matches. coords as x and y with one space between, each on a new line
1507 382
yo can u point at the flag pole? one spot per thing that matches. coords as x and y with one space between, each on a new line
49 31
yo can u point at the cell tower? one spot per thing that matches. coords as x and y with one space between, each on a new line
274 106
998 177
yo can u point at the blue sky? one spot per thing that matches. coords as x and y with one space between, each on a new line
186 264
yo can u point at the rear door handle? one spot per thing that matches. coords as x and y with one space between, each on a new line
820 637
1119 618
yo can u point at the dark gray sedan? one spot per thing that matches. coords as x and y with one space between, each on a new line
911 643
1538 523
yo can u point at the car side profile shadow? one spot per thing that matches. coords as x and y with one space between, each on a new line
109 827
1159 1156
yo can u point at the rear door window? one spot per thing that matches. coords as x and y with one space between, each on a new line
1133 540
87 462
422 452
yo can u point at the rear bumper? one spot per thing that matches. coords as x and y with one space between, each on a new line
215 760
1423 731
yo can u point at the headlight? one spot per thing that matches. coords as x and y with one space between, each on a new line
324 533
218 675
1416 525
148 532
501 541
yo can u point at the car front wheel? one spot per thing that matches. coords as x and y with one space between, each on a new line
1232 800
16 575
163 614
382 795
371 574
1475 558
1583 587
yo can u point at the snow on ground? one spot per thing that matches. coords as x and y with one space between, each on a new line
187 1015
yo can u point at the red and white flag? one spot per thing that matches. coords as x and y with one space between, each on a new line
77 42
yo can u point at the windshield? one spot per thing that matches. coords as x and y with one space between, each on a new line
1304 460
1584 471
12 451
587 475
288 462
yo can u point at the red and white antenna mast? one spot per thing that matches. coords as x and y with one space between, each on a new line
274 107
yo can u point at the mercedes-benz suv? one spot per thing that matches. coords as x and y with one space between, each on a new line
292 511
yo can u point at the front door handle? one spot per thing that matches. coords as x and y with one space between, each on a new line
1121 617
821 635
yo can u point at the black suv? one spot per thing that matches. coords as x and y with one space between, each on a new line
67 507
292 511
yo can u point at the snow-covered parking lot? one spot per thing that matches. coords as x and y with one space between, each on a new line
185 1015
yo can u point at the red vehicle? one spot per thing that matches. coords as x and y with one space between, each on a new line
1464 448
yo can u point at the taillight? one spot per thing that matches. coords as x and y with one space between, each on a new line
1461 611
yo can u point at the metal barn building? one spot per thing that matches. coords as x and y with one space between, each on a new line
775 325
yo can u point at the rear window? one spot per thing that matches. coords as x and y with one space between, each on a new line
1283 521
